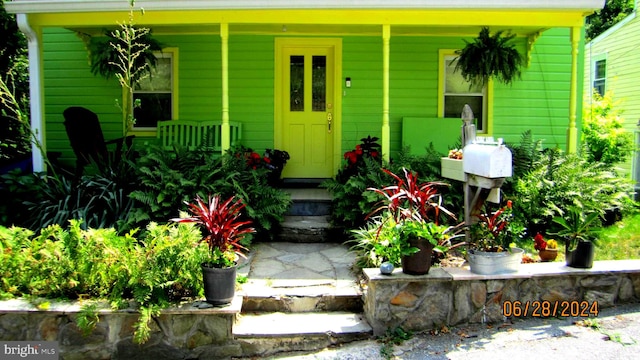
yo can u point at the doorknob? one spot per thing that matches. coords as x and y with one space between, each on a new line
329 119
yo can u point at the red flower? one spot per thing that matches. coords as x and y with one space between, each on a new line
374 154
540 244
509 204
353 158
358 150
267 160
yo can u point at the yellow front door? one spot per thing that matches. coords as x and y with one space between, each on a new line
305 96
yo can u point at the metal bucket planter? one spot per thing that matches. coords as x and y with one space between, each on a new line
219 284
491 263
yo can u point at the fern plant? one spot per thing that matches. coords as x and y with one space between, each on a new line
489 56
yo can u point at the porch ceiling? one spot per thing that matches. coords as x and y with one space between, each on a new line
319 29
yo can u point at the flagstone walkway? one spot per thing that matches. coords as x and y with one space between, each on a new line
295 269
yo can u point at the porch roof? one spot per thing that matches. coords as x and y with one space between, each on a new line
406 17
49 6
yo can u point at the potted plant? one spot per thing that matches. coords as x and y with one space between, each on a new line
490 248
488 57
412 210
547 249
222 230
275 160
579 231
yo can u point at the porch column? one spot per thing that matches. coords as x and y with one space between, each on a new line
225 129
572 130
386 141
38 145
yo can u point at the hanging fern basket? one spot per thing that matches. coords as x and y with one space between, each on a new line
490 57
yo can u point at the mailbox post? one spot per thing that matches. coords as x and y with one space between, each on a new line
486 164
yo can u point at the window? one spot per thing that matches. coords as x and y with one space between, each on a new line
600 76
456 92
156 94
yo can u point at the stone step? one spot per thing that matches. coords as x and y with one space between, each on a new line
344 299
308 229
268 334
309 202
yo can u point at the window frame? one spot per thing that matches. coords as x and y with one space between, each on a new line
487 92
594 67
171 53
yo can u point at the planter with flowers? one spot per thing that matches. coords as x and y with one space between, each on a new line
491 249
547 250
273 160
410 221
222 231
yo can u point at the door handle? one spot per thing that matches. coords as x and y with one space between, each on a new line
329 119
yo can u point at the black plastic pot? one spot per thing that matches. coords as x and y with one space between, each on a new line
219 284
582 256
420 262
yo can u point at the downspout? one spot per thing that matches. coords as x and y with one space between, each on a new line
38 145
386 141
572 130
225 128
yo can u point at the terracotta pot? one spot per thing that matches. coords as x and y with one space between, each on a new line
548 254
420 262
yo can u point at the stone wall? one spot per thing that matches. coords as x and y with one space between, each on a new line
184 332
450 296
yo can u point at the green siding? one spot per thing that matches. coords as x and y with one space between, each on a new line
69 82
540 101
622 51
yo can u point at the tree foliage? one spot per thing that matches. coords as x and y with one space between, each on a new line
13 60
613 12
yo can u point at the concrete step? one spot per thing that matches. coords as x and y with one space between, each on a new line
308 229
267 334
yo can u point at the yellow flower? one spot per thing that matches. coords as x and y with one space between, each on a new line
552 244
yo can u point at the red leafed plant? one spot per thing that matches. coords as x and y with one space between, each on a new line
492 232
411 200
222 228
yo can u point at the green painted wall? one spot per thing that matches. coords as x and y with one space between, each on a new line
620 46
539 102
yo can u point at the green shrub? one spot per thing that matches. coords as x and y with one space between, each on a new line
351 202
604 137
169 178
128 195
155 270
558 182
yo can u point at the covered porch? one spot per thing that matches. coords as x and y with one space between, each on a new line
305 24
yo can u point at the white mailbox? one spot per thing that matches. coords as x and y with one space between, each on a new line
487 160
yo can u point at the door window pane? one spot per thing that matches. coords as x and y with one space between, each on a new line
296 73
319 89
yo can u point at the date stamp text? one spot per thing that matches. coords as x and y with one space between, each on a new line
567 308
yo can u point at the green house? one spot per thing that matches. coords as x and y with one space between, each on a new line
313 77
612 63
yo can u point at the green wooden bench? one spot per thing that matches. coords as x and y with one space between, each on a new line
193 134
